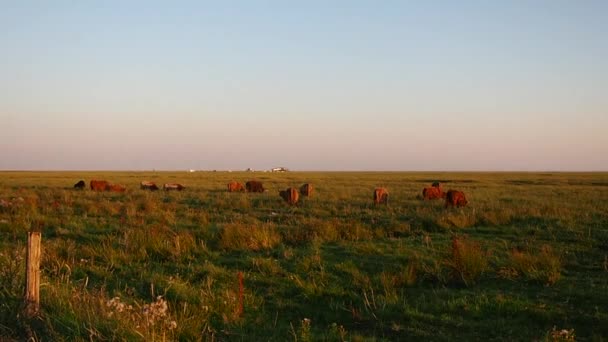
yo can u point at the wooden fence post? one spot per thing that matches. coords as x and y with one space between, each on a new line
32 269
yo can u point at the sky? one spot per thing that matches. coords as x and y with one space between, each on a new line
309 85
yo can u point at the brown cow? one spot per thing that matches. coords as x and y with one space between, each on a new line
254 186
290 195
80 185
306 190
116 188
235 186
432 193
455 198
99 185
380 196
173 186
147 185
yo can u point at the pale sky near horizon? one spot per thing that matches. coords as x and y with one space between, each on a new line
314 85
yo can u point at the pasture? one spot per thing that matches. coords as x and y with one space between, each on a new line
525 259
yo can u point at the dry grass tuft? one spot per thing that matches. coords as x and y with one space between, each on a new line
409 274
543 267
254 237
267 266
563 335
460 219
467 260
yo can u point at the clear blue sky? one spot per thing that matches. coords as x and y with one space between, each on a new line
310 85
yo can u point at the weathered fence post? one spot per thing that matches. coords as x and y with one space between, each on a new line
32 269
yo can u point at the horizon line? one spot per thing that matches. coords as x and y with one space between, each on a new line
294 171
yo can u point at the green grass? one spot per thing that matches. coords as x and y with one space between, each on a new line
527 258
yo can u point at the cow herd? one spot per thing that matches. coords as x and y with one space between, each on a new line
453 198
290 195
102 185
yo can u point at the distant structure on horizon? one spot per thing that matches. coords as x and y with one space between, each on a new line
279 169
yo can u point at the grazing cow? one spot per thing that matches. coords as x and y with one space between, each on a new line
173 186
432 193
80 185
306 190
380 196
254 186
436 185
99 185
455 198
290 195
116 188
147 185
235 186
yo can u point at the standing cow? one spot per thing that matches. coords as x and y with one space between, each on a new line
433 192
306 190
455 198
380 196
290 195
80 185
99 185
173 186
254 186
147 185
235 186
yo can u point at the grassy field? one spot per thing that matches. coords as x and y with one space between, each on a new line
527 258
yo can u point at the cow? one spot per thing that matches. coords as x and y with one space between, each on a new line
99 185
290 195
116 188
306 190
254 186
80 185
380 196
173 186
235 186
147 185
436 185
432 193
455 198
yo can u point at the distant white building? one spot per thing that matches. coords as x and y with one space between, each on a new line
279 169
